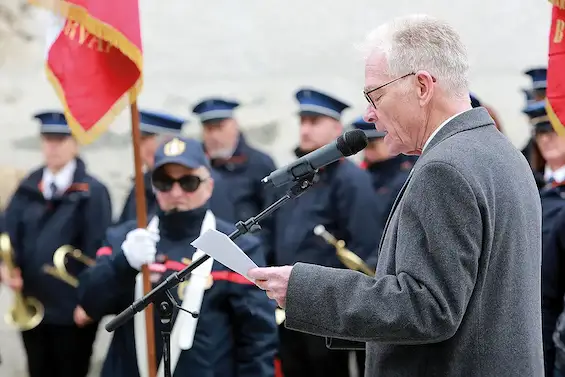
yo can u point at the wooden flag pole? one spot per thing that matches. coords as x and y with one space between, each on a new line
141 210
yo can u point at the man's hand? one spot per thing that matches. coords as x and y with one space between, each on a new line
80 317
140 247
14 280
274 280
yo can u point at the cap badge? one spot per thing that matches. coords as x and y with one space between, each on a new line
174 147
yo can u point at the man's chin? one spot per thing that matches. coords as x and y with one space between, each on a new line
179 208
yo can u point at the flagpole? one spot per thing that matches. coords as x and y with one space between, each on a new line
141 210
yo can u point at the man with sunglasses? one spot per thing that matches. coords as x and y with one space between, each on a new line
457 286
155 127
343 201
235 334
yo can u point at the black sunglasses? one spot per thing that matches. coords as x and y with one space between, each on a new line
188 183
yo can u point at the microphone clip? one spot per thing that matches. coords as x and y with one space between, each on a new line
171 300
302 184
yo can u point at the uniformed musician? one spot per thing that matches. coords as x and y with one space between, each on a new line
539 82
57 204
240 165
155 127
343 201
236 330
388 173
536 92
549 157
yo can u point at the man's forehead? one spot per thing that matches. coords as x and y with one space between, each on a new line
375 70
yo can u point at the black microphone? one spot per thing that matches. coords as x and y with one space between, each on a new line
346 145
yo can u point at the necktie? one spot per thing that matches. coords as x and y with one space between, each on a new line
54 189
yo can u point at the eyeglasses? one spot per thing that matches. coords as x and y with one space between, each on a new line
367 92
188 183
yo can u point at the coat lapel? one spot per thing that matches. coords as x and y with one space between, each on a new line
396 201
470 119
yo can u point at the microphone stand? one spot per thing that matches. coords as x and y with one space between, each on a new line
168 303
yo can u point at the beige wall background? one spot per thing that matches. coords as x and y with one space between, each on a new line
261 52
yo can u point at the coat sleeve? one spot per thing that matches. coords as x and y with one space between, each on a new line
424 300
255 329
12 221
107 287
358 213
552 287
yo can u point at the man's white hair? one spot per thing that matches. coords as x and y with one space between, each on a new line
420 42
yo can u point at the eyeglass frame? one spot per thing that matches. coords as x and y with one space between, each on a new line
179 180
367 92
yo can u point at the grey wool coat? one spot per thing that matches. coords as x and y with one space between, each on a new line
457 286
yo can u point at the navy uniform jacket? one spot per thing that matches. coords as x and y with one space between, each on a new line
343 201
242 174
236 332
37 227
553 266
388 177
129 212
552 201
2 222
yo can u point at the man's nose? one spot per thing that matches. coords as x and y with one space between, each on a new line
370 116
176 190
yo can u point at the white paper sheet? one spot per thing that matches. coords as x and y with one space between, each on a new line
219 246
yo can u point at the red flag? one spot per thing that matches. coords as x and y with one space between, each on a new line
94 61
555 103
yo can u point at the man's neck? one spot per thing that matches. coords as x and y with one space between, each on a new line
57 169
438 117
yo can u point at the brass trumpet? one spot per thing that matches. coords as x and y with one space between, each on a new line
346 256
27 312
59 268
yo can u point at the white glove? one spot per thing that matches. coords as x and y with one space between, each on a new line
139 247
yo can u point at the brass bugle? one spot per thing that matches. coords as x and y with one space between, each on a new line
26 312
59 267
346 256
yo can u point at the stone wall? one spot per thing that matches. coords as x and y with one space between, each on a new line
261 52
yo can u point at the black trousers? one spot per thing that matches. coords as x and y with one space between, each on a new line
59 351
305 355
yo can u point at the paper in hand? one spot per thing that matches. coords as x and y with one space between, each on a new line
220 247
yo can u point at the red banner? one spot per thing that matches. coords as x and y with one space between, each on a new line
94 61
555 103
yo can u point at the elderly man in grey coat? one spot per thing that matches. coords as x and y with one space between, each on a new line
457 286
